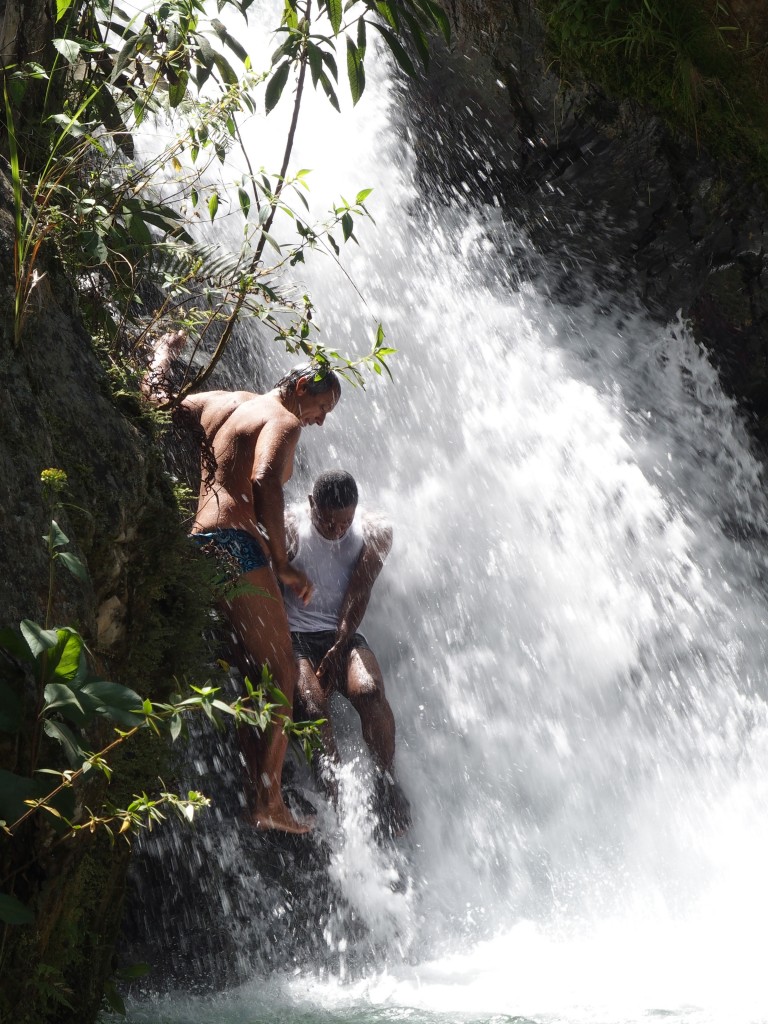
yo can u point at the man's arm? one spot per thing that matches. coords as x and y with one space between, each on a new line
273 456
291 534
377 545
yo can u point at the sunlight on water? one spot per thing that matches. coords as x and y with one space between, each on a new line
572 629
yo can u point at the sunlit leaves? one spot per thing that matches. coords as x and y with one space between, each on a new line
62 6
68 48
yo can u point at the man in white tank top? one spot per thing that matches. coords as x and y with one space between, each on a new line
342 548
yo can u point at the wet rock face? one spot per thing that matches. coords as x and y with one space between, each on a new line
57 411
210 904
603 189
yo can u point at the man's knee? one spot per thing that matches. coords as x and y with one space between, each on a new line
313 702
311 705
367 694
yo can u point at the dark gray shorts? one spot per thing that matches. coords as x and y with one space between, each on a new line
315 646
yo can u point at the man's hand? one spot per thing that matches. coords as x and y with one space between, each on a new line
332 664
298 581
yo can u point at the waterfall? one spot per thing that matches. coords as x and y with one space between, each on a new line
572 628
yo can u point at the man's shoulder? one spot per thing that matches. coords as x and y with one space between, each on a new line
374 518
376 527
255 411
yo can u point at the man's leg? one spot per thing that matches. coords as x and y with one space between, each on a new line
261 628
365 690
313 700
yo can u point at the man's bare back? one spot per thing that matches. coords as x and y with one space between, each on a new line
252 439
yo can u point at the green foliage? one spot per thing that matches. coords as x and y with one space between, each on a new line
118 223
69 699
687 59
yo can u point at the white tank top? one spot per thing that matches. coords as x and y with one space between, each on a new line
329 565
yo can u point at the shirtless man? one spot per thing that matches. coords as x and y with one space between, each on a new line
343 549
250 441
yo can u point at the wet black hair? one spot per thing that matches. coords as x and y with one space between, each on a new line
318 376
334 490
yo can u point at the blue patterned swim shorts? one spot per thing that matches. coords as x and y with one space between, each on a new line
234 544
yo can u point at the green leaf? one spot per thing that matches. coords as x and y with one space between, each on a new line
95 248
72 749
398 51
62 6
277 695
206 52
137 228
113 119
275 86
221 31
174 727
388 13
362 195
225 69
347 226
120 703
273 243
113 998
330 61
213 204
56 538
13 911
355 71
178 90
335 12
329 91
126 53
75 566
315 57
39 639
245 201
67 661
419 37
290 17
437 16
68 48
59 696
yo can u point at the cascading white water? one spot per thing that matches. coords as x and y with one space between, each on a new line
572 629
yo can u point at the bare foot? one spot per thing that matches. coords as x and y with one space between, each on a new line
280 820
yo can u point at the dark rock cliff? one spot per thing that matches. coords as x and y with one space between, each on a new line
139 615
602 184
